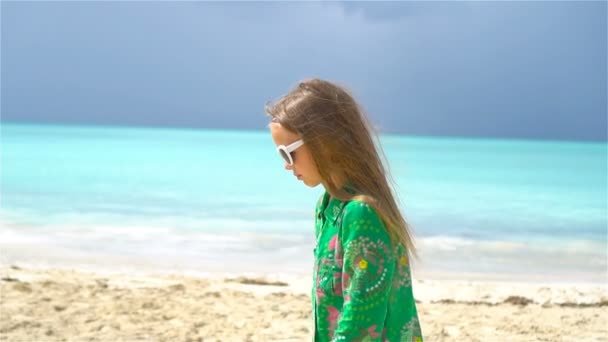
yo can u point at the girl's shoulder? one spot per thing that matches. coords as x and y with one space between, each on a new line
361 222
359 214
357 209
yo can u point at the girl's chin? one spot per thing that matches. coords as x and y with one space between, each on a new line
310 185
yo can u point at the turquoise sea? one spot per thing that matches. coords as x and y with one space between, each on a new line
209 200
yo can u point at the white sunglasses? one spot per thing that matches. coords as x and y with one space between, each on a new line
285 151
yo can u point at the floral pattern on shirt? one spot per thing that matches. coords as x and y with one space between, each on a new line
362 283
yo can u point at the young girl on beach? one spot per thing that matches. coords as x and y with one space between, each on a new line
362 288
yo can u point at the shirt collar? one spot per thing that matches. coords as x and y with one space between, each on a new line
332 208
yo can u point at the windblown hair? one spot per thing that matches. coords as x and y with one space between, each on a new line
344 147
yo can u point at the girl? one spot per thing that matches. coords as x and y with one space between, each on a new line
362 288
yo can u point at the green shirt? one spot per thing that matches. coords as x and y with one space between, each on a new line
362 289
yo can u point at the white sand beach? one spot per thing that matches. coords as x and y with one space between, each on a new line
70 305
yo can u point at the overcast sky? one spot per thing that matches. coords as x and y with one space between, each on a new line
516 69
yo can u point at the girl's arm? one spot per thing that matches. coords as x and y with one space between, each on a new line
368 270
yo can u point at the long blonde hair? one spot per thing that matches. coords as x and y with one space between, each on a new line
344 147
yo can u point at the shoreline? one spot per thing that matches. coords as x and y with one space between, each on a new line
112 264
164 250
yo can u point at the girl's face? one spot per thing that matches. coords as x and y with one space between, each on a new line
304 167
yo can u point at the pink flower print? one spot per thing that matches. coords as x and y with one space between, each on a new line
339 254
333 318
318 292
371 331
337 279
332 243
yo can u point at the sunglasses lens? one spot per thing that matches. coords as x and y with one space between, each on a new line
285 156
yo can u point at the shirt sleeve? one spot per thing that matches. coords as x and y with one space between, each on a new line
367 273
